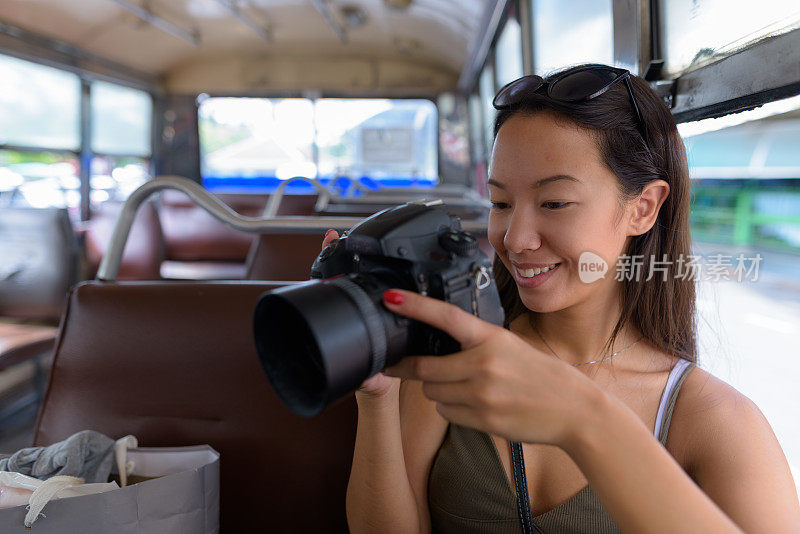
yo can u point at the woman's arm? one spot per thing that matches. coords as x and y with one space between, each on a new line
744 477
397 438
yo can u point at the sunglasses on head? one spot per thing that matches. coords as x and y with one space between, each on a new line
578 85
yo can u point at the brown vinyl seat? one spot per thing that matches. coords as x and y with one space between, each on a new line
192 234
144 248
38 264
285 256
175 364
200 247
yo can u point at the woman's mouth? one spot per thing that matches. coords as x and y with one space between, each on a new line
534 277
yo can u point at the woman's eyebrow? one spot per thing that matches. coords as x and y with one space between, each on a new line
539 183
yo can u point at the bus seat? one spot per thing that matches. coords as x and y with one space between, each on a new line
144 249
38 264
21 342
283 256
175 364
192 234
289 257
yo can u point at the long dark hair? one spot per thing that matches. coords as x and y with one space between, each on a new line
663 311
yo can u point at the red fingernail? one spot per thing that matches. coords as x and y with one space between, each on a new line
393 297
328 232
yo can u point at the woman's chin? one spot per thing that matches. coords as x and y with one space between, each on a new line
541 303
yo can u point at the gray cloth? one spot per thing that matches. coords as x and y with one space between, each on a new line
87 454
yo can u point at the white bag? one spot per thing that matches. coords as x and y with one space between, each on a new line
183 499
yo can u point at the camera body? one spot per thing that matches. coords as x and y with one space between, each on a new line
420 247
321 339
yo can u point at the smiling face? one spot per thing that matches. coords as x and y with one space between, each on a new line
554 200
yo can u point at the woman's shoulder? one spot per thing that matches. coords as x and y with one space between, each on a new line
710 418
732 453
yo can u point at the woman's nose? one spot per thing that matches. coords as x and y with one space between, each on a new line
522 233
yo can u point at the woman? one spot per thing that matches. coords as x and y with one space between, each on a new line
594 372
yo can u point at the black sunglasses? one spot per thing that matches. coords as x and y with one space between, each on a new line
578 85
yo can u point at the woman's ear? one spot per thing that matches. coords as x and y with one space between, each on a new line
644 211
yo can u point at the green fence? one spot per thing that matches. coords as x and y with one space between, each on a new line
746 215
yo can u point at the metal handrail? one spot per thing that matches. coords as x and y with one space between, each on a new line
274 202
109 266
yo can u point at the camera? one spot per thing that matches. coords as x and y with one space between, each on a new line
319 340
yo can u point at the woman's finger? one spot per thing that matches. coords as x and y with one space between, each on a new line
449 392
460 414
464 327
450 368
330 235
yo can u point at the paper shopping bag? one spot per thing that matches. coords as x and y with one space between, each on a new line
179 495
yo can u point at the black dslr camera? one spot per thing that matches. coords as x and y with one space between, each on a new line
321 339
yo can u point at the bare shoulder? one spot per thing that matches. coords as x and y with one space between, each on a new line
708 409
727 446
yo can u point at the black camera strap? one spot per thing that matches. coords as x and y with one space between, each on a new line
521 487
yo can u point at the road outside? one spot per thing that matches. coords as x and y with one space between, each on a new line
749 334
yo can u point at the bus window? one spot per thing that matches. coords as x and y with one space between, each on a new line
39 179
255 143
508 52
39 135
486 86
575 31
695 33
39 106
392 142
116 177
121 120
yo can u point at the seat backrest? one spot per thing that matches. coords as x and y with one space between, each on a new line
38 262
192 234
283 256
144 248
175 364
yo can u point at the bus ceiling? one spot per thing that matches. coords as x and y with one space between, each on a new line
741 59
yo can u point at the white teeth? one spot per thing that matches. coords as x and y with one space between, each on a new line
530 273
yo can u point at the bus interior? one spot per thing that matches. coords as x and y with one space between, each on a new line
163 163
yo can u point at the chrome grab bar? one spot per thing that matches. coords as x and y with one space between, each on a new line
109 266
274 202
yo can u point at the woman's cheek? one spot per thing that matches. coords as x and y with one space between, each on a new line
496 233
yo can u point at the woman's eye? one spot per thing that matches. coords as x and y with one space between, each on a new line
555 205
499 205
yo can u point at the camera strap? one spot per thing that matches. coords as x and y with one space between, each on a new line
521 487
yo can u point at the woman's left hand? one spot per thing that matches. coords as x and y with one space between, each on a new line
498 383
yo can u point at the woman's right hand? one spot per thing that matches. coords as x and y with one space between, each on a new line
379 385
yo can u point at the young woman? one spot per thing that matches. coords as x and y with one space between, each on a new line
594 373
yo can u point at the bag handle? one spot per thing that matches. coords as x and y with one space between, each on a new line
124 466
45 493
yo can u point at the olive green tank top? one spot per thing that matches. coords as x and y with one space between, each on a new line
469 491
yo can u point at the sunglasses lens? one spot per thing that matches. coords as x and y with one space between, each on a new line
517 90
582 84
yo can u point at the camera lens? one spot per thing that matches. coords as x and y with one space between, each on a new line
321 339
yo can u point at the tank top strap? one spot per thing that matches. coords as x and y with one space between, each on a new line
676 377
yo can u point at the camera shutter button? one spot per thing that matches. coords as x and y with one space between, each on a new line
460 243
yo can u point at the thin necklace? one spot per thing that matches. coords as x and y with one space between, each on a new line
584 363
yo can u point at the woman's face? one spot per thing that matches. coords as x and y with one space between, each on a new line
554 202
